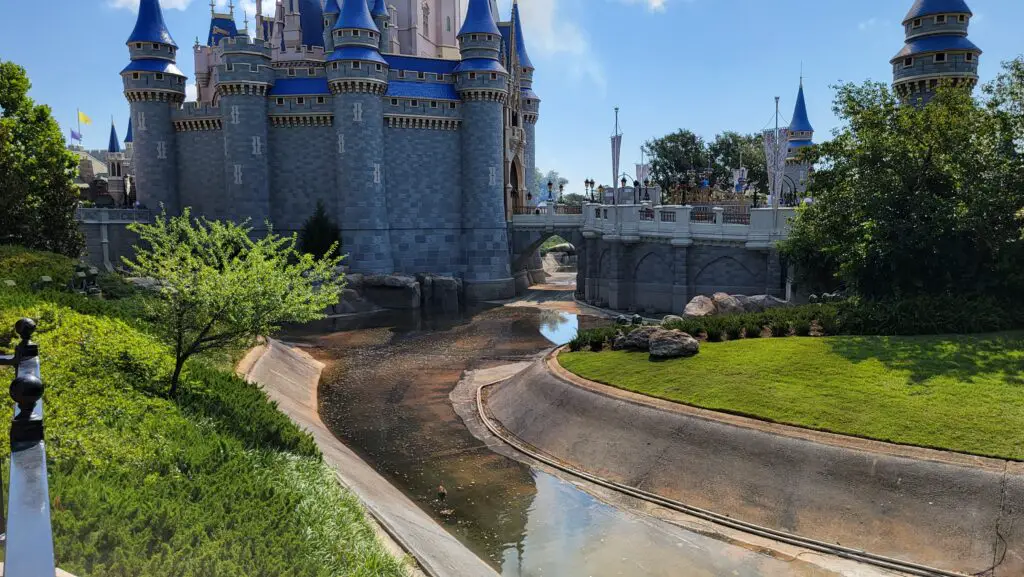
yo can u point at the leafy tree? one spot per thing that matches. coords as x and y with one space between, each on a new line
675 154
554 178
37 189
914 201
220 288
729 149
320 236
573 199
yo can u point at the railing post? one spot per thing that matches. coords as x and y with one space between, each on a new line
29 547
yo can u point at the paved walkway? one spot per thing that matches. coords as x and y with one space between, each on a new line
947 511
290 377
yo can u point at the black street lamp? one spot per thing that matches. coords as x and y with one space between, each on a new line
588 187
647 193
551 187
561 190
636 191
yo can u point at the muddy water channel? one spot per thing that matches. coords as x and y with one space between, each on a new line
385 393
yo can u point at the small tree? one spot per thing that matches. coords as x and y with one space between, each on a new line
319 234
221 288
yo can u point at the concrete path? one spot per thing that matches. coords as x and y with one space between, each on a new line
290 377
957 513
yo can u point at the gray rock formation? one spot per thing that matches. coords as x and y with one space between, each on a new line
727 304
672 345
440 293
637 340
700 306
671 319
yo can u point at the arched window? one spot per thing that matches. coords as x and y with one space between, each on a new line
426 21
448 24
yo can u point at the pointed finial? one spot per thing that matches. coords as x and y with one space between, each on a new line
213 7
801 73
245 21
231 7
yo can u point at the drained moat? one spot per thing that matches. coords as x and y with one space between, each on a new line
385 393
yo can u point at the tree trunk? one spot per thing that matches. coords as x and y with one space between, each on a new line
178 364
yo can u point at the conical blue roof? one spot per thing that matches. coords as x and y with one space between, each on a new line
115 143
331 7
800 122
355 14
929 7
130 137
150 25
311 19
479 19
524 58
380 9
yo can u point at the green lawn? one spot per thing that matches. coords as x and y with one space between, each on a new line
962 393
213 482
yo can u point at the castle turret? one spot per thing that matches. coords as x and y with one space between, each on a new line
358 77
331 12
244 78
114 145
382 18
801 134
482 84
129 138
529 101
936 51
154 85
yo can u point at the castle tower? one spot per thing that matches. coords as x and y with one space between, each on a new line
482 85
801 134
937 50
529 102
117 187
154 85
244 78
382 18
331 12
129 139
358 78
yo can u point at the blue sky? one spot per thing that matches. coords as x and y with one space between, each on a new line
705 65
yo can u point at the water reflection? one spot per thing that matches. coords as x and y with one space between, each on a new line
558 327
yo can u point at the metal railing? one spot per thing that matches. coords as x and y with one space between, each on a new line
113 215
29 546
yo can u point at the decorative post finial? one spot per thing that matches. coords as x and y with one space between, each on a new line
231 8
213 7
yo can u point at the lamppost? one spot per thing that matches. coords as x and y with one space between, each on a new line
623 182
647 192
600 193
561 190
636 191
551 187
588 187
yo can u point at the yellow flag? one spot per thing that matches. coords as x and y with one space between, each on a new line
83 118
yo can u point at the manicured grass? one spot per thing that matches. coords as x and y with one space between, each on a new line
962 393
213 482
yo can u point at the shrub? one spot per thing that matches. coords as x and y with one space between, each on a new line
733 328
928 315
753 327
779 326
576 343
715 329
114 287
802 327
319 233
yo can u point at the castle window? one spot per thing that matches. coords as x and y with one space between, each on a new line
300 101
940 57
489 38
372 34
334 65
908 62
355 33
159 76
472 75
962 18
321 100
473 37
426 21
356 65
135 75
230 67
380 68
451 105
414 103
917 23
940 19
291 72
494 75
440 77
326 22
421 76
448 24
394 102
138 45
311 72
433 104
280 101
969 57
401 73
156 46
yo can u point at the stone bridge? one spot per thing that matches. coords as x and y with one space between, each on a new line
654 259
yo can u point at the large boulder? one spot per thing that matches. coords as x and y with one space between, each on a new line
700 306
637 340
391 291
761 303
727 304
351 302
672 345
440 293
670 319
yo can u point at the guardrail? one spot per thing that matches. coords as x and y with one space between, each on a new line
113 215
29 546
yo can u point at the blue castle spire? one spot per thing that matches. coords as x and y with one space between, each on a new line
355 14
479 19
331 7
380 9
936 50
115 143
524 58
931 7
150 25
800 122
129 138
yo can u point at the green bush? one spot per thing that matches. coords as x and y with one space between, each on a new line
114 287
733 328
576 344
928 315
715 329
779 327
802 327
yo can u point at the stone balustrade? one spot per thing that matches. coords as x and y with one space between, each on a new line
760 228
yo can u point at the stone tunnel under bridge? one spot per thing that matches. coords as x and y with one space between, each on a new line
655 259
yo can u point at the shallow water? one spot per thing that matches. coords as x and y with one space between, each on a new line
385 393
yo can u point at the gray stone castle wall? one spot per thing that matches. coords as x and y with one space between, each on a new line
425 204
155 155
302 171
246 176
201 186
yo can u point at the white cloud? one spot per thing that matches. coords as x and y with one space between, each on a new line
652 5
134 4
190 92
872 23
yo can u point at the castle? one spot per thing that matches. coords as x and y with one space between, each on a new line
419 149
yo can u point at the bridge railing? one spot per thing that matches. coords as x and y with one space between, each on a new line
29 535
113 215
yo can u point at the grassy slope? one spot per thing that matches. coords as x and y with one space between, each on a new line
963 393
217 482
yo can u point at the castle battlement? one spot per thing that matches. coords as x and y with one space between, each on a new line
191 110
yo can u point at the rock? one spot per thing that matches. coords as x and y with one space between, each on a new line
440 293
637 340
765 302
700 306
351 302
637 320
727 304
145 283
813 299
671 319
391 291
672 345
565 248
623 320
9 283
